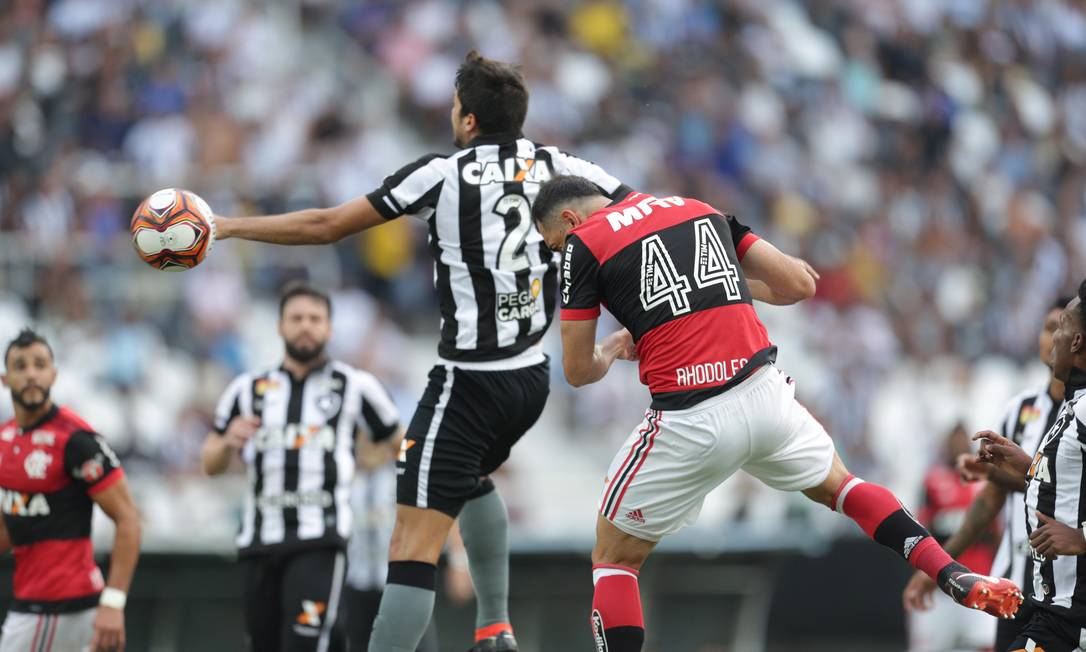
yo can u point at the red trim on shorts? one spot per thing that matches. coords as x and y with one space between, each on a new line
52 634
37 632
640 463
649 415
105 483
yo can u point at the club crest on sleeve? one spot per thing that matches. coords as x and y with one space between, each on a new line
91 470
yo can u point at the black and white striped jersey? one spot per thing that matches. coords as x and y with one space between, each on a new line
1029 416
496 279
1055 488
301 461
373 502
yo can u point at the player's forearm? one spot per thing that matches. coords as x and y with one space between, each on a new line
1006 479
304 227
760 291
978 519
215 455
588 372
126 551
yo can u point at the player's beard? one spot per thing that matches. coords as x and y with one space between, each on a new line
17 397
305 354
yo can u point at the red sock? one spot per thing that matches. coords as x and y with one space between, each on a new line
617 624
883 518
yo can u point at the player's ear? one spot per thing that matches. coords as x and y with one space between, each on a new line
1077 342
570 218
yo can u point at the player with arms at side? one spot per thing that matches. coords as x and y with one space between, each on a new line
300 429
496 284
1055 482
53 469
1028 417
674 272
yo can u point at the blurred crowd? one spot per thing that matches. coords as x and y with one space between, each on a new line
926 156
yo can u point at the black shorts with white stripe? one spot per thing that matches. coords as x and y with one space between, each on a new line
1050 632
465 425
291 600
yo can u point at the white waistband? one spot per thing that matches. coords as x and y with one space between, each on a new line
533 355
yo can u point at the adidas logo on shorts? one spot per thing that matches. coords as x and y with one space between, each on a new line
636 515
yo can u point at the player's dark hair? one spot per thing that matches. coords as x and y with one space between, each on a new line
1082 304
558 193
1061 302
25 338
494 92
302 289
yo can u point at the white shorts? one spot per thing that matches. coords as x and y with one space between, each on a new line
658 480
67 632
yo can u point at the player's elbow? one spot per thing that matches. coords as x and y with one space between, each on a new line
327 226
576 376
799 287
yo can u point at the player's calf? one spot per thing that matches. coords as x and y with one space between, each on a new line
883 518
616 620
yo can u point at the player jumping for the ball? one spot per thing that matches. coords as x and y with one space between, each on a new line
681 278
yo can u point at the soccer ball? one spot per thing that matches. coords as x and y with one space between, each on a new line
173 230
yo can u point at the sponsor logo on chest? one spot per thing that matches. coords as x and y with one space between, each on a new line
16 503
640 210
519 305
510 170
295 437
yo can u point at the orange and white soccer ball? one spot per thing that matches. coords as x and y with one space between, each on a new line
173 230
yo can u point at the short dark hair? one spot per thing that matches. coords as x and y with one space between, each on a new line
558 193
1082 303
25 338
1061 302
302 289
494 92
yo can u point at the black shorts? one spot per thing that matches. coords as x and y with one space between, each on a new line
291 600
1049 631
1009 630
465 425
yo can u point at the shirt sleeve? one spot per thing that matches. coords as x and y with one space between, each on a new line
411 190
229 405
379 414
91 462
580 282
742 236
611 186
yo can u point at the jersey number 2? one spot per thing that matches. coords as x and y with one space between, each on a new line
661 283
511 254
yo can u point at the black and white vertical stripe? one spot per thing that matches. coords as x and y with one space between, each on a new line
301 460
488 255
1028 417
1055 489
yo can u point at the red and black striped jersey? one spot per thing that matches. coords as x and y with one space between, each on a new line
668 269
48 473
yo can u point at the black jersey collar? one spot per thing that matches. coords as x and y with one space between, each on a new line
45 418
496 138
1075 383
315 370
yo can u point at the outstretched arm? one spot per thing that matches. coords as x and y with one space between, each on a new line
775 277
583 360
304 227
